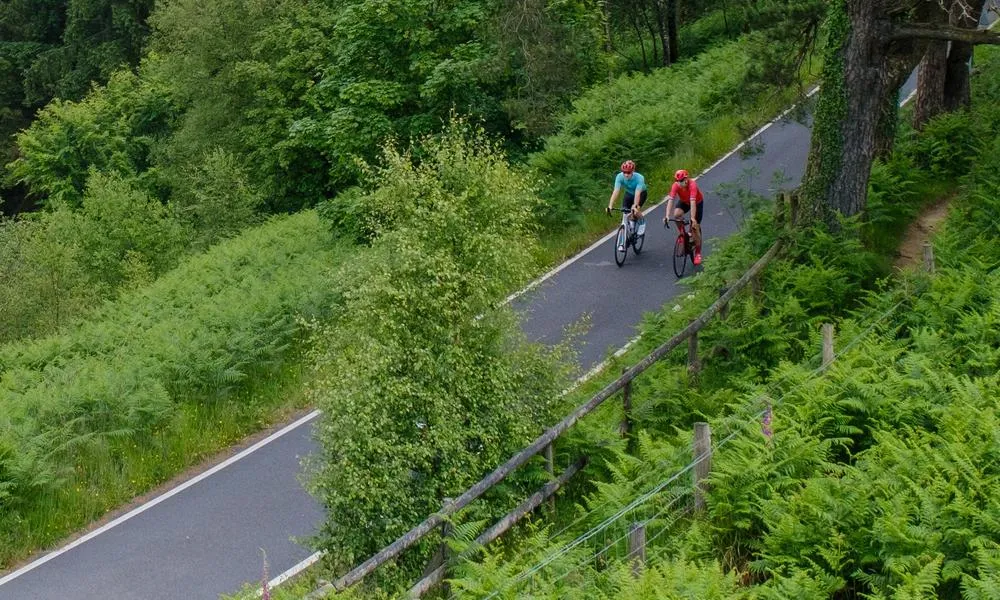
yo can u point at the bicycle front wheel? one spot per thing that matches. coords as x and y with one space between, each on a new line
638 241
680 256
621 246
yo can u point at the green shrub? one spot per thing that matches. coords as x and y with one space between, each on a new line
113 129
948 145
425 385
57 264
217 199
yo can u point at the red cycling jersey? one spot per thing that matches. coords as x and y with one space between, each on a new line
685 193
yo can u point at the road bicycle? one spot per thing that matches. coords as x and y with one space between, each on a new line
683 247
630 233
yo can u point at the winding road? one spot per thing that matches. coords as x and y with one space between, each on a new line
204 538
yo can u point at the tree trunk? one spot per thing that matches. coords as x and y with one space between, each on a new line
651 26
661 24
930 84
943 81
956 83
848 111
608 46
903 57
957 93
672 29
642 43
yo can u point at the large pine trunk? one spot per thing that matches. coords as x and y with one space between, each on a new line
844 138
856 113
957 93
931 77
943 82
956 86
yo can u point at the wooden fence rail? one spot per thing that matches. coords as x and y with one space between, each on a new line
435 577
500 473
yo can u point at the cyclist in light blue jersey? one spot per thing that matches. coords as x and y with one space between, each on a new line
635 185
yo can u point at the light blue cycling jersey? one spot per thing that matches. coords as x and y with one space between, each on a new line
635 183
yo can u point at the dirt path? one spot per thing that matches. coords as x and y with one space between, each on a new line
927 224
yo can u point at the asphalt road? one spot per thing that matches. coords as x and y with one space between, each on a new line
207 538
613 299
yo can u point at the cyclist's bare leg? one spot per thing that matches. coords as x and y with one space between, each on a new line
679 214
696 230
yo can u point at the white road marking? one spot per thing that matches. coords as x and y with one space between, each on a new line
148 505
611 233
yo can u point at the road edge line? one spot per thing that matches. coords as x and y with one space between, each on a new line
164 496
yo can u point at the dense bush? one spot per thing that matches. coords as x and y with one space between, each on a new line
112 130
425 385
57 265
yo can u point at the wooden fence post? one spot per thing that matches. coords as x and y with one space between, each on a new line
756 287
929 257
694 365
637 547
703 462
724 311
793 209
550 466
781 209
440 556
827 344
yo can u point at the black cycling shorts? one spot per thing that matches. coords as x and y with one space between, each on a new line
630 198
687 207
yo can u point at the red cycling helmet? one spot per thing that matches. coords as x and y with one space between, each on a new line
680 175
628 166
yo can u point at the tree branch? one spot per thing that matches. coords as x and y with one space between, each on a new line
944 32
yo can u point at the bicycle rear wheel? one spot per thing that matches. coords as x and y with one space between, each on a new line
621 246
680 256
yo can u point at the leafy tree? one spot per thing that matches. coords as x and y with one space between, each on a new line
218 200
76 42
125 234
114 129
425 384
43 280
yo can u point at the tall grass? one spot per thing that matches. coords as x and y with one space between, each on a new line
157 380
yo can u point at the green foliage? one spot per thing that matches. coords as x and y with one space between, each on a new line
425 385
57 264
126 237
893 200
112 130
41 265
543 53
949 146
217 198
195 336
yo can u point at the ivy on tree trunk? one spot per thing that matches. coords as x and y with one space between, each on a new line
871 48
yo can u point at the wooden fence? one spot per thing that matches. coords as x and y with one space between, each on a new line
787 213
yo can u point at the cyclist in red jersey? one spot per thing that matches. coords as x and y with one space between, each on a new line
685 192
